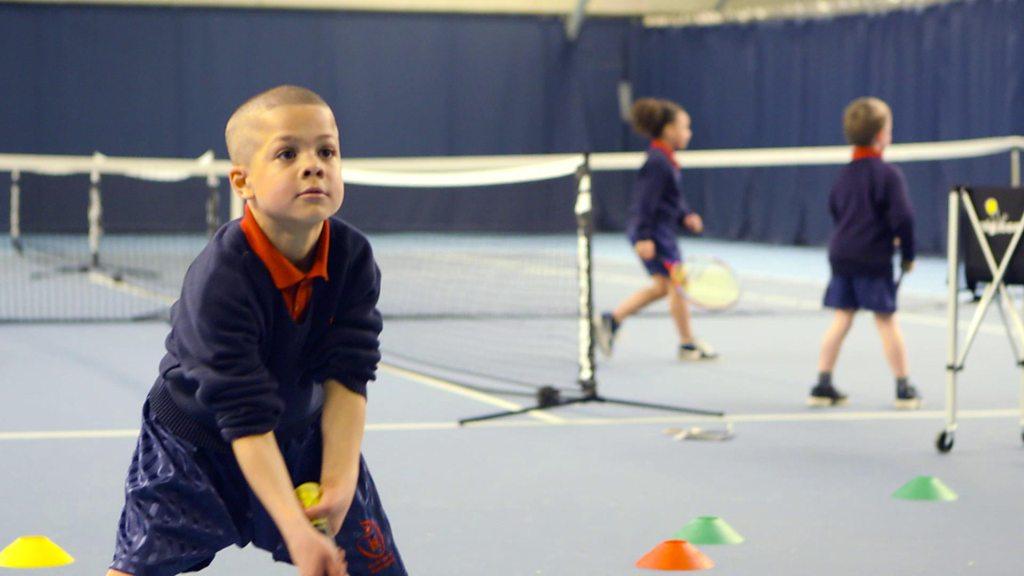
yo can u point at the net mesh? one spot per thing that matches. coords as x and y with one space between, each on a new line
483 306
498 307
126 269
484 309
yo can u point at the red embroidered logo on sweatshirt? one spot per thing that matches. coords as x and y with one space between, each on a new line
373 547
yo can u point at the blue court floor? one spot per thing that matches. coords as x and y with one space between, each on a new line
587 490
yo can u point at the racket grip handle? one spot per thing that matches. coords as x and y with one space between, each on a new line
322 526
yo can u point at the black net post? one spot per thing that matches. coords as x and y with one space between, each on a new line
212 201
584 251
95 212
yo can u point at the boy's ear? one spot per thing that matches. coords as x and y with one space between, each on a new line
239 178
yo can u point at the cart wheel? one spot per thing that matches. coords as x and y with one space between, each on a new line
944 442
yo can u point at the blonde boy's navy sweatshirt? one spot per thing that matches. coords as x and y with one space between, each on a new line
238 363
870 208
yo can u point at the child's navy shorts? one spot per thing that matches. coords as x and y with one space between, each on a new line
877 294
183 504
661 265
666 252
665 257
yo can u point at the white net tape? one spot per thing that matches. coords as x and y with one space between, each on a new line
456 172
490 170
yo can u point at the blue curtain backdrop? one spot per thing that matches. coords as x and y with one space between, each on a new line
162 82
949 72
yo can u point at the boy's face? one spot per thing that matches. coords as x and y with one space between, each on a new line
884 137
294 175
678 133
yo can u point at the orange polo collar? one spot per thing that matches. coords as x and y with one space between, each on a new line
666 149
861 152
295 285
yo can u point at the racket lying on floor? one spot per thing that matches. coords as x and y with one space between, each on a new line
706 281
698 433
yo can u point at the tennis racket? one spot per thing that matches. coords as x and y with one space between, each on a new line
698 433
706 281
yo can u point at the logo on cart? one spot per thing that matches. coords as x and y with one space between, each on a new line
997 222
991 206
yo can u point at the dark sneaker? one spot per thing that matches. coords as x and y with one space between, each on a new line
907 398
697 351
825 395
606 328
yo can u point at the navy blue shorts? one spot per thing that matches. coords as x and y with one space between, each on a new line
661 265
184 504
665 257
666 250
861 292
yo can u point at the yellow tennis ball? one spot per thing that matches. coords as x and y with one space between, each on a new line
991 206
308 494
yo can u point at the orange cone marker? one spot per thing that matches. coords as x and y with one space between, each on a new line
675 555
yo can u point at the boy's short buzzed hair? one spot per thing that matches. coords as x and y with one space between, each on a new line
863 119
236 134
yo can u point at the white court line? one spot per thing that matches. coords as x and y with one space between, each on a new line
779 418
467 393
69 434
101 279
813 416
782 418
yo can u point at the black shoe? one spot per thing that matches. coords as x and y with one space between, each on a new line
606 326
907 398
825 395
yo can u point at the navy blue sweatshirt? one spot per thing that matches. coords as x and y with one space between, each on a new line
237 364
658 205
870 208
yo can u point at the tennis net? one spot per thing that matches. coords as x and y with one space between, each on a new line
498 307
102 239
486 261
495 308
